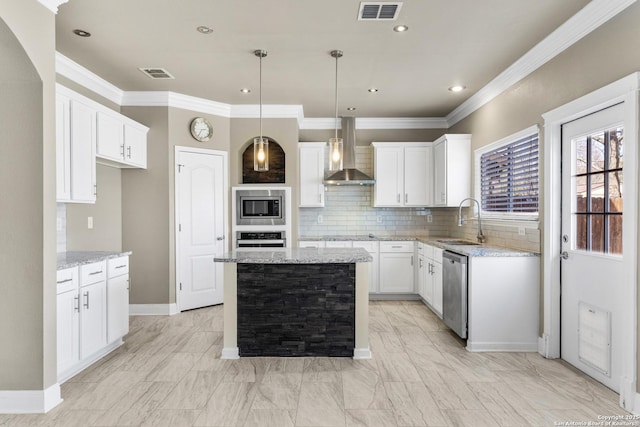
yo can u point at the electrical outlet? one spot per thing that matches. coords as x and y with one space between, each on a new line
90 222
320 219
379 219
521 231
429 218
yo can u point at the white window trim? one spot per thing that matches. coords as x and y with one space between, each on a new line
528 220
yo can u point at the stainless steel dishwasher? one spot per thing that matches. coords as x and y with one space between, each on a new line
454 292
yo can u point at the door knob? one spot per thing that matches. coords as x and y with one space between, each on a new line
220 238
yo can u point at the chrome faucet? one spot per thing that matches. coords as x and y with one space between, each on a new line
481 237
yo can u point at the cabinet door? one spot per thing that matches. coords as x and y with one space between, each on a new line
396 272
63 149
418 185
421 275
311 158
389 175
109 142
93 318
83 149
68 330
135 141
117 307
440 173
437 287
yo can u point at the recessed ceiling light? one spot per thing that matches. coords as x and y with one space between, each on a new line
245 90
82 33
204 29
457 88
400 28
373 90
351 108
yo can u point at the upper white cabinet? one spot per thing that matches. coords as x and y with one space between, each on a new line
403 174
85 131
121 142
451 169
311 163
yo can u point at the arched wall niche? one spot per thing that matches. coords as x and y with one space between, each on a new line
276 172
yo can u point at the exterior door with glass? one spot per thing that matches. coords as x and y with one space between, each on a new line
592 274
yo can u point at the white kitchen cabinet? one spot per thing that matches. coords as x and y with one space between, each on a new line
117 298
311 173
121 142
372 248
403 174
451 169
83 153
421 274
311 244
396 267
63 149
93 308
431 275
68 319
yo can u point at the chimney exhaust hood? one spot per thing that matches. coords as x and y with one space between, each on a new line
349 175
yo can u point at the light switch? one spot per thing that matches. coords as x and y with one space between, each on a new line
90 222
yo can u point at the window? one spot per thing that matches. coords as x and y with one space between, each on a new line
507 177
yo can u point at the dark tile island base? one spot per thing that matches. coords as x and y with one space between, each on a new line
296 309
296 302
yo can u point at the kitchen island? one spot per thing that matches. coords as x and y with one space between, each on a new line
296 302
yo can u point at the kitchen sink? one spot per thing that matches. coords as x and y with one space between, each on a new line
459 242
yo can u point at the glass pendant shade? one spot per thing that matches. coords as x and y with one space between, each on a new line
260 154
335 154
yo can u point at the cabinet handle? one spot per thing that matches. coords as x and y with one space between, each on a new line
121 266
76 305
63 281
128 284
320 197
96 272
411 259
95 190
396 247
398 198
420 262
122 152
406 197
129 152
86 296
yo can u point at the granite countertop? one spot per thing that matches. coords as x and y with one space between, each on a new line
75 258
483 250
296 256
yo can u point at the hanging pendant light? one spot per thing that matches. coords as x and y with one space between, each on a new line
260 144
335 143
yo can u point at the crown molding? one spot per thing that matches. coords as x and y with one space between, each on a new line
76 72
378 123
175 100
52 5
590 17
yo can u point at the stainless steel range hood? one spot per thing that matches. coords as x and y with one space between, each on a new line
349 175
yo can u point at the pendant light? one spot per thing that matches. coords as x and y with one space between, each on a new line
260 144
335 143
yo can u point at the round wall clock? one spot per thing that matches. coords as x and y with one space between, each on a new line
201 129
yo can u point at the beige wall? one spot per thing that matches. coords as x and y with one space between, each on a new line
106 234
27 203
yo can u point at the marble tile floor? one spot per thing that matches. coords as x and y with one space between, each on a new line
169 373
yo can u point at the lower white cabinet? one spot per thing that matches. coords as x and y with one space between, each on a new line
396 267
430 276
117 298
92 313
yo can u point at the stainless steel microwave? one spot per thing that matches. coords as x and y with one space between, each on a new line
261 207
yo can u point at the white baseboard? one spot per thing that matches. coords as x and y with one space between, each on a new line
153 309
530 347
394 297
230 353
362 354
30 401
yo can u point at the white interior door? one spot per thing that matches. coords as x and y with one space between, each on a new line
592 274
201 182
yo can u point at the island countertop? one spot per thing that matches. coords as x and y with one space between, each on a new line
296 256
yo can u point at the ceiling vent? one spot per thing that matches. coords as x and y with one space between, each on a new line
157 73
379 11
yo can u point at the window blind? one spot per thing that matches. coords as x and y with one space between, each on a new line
509 177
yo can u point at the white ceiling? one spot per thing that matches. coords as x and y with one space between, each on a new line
449 42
